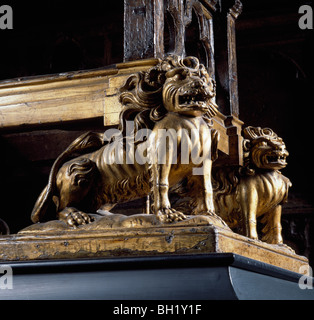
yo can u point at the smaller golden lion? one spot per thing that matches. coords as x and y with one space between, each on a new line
241 195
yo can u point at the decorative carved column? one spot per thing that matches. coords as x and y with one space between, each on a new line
225 56
143 29
227 11
145 22
179 16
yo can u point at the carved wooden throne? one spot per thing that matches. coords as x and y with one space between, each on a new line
152 29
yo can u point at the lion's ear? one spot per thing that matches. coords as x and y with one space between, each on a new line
246 148
246 145
131 82
155 78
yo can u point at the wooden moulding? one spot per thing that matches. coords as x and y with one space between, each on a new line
147 237
64 97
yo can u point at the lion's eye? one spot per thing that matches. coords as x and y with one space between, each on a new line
178 77
264 144
177 74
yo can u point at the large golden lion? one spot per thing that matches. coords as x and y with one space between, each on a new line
176 94
256 190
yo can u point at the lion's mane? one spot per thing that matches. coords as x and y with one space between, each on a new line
141 96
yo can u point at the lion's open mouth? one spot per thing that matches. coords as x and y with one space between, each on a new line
193 99
277 158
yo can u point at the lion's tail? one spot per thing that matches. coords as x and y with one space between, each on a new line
87 142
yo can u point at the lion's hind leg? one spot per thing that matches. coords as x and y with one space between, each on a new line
272 228
75 181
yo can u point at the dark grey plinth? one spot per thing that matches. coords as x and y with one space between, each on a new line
188 277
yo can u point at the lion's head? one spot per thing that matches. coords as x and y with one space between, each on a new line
264 149
175 84
188 89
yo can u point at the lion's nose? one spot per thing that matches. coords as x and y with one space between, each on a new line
198 85
282 149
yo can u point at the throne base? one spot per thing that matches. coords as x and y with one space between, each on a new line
115 235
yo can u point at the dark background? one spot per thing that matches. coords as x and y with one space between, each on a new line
275 73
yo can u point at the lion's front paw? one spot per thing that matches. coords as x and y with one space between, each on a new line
170 215
73 217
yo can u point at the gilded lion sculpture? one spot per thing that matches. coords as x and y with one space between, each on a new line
97 171
257 190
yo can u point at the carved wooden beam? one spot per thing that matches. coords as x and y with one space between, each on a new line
69 96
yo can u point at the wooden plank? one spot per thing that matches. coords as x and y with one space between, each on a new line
53 111
43 103
64 97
